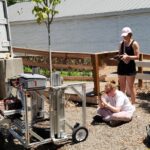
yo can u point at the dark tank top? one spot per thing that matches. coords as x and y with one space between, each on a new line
123 68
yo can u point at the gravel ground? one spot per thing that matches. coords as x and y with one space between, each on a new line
129 136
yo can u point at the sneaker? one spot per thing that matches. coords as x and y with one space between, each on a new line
115 123
97 120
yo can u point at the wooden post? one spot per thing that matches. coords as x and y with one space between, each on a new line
140 70
95 74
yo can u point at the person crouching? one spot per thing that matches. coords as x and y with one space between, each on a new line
115 107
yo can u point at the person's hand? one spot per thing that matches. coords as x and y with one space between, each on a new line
103 102
125 58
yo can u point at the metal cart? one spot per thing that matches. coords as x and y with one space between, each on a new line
21 122
33 98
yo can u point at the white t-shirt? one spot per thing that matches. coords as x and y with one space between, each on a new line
120 100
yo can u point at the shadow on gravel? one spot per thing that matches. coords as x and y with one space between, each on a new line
146 142
144 99
10 146
50 146
144 96
5 145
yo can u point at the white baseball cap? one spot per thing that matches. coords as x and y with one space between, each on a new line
126 31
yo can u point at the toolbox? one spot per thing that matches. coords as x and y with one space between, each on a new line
31 81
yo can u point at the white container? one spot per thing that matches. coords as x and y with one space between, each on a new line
33 81
56 79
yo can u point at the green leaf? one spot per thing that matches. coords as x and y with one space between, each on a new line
44 15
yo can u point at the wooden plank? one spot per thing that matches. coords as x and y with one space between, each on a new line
143 76
83 78
78 67
142 63
146 56
140 70
56 66
71 55
35 64
31 52
96 74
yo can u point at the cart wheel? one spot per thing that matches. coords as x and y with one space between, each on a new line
79 134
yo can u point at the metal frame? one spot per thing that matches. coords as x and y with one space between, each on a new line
57 119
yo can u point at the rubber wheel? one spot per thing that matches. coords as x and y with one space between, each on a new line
79 134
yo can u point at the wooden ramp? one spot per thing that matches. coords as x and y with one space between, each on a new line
90 97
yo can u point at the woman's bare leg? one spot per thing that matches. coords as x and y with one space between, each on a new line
130 81
122 83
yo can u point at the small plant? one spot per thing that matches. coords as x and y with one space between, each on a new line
76 73
66 73
27 69
44 72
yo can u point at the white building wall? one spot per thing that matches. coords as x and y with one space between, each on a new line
94 34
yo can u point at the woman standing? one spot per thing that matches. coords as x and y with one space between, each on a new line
128 52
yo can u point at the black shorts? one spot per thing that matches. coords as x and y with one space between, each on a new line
126 69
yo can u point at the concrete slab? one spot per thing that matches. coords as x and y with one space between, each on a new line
8 69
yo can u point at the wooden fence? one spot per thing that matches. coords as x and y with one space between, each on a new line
72 61
142 63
